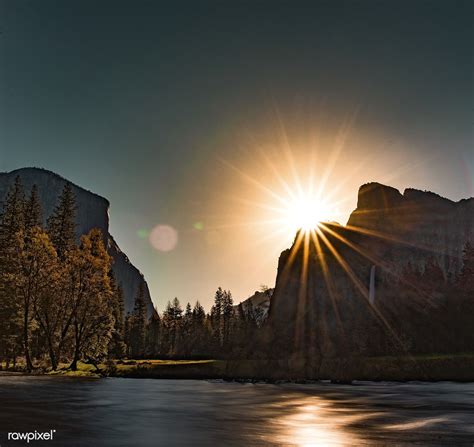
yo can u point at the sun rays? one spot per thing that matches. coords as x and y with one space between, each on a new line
298 196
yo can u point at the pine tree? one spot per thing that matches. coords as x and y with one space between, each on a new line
127 329
11 225
117 347
216 318
10 315
187 330
61 224
153 330
33 213
199 331
13 214
227 314
138 323
172 317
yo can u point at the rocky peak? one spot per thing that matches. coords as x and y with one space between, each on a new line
375 196
323 293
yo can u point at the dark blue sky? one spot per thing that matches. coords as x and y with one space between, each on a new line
139 100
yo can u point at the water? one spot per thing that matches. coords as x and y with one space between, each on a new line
146 412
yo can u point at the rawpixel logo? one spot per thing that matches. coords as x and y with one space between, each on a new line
31 436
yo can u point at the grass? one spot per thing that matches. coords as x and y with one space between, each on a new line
83 370
459 366
168 368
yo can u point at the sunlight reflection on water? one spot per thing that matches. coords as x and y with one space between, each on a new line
150 413
311 423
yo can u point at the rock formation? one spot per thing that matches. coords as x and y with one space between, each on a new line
382 283
92 212
259 301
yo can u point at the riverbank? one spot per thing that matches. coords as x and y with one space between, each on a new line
423 368
435 367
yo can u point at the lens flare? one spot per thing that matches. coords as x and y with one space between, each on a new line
163 238
143 233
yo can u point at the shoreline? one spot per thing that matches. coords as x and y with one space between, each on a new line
455 368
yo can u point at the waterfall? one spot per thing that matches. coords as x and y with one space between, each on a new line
372 285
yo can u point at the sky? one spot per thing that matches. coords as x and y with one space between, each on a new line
201 118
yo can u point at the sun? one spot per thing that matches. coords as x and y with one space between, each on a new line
305 212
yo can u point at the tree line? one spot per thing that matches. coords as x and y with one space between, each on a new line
225 331
60 302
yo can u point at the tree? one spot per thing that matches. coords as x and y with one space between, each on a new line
117 347
61 224
138 323
227 315
187 330
13 215
216 318
93 311
172 326
35 279
10 316
33 216
200 333
153 332
127 334
11 222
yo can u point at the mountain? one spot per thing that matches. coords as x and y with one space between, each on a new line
92 212
391 280
259 301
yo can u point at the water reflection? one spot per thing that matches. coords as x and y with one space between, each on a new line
124 412
311 422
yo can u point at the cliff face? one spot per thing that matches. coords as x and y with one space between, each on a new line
384 281
92 212
422 222
259 302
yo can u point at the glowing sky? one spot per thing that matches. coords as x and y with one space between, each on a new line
189 117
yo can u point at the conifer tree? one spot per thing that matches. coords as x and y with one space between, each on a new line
172 325
199 331
11 224
33 213
127 334
153 332
227 314
117 346
61 224
138 323
187 330
216 317
13 214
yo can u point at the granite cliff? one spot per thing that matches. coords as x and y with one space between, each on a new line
388 281
92 212
259 303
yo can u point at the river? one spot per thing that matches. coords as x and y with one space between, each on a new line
147 412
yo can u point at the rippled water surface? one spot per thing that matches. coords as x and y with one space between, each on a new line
147 412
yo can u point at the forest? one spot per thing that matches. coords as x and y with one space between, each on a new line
60 303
